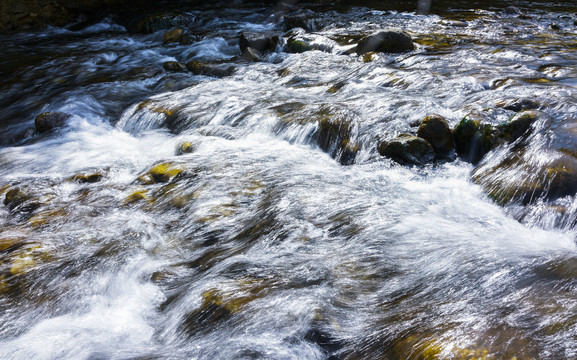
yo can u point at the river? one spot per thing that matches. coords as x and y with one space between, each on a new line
260 240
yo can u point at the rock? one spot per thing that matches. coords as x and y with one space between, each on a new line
161 173
174 66
334 136
185 147
297 46
512 10
87 177
135 197
474 138
554 27
437 132
304 19
173 36
200 68
263 43
159 21
390 41
408 150
15 197
141 73
251 55
527 176
521 124
47 121
519 104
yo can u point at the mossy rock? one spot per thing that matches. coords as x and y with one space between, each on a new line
435 129
27 258
47 121
173 36
390 41
161 173
521 124
474 138
15 197
185 147
297 46
87 177
135 196
334 136
47 217
408 150
522 177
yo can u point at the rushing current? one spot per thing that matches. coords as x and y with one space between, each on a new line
258 240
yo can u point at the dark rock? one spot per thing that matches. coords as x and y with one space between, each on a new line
525 16
391 41
87 177
251 55
159 21
141 73
173 36
520 104
408 150
437 132
15 197
174 66
297 46
474 138
555 27
512 10
50 120
304 19
262 43
521 124
200 68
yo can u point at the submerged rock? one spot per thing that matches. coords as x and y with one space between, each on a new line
185 147
262 43
160 173
201 68
408 150
87 177
173 36
15 197
390 41
527 176
521 124
304 19
437 132
334 137
174 66
47 121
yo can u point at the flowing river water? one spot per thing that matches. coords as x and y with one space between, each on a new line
263 241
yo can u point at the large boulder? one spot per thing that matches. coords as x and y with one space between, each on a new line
390 41
437 132
408 150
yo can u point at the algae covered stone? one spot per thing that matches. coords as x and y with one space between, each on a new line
161 173
408 150
435 129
